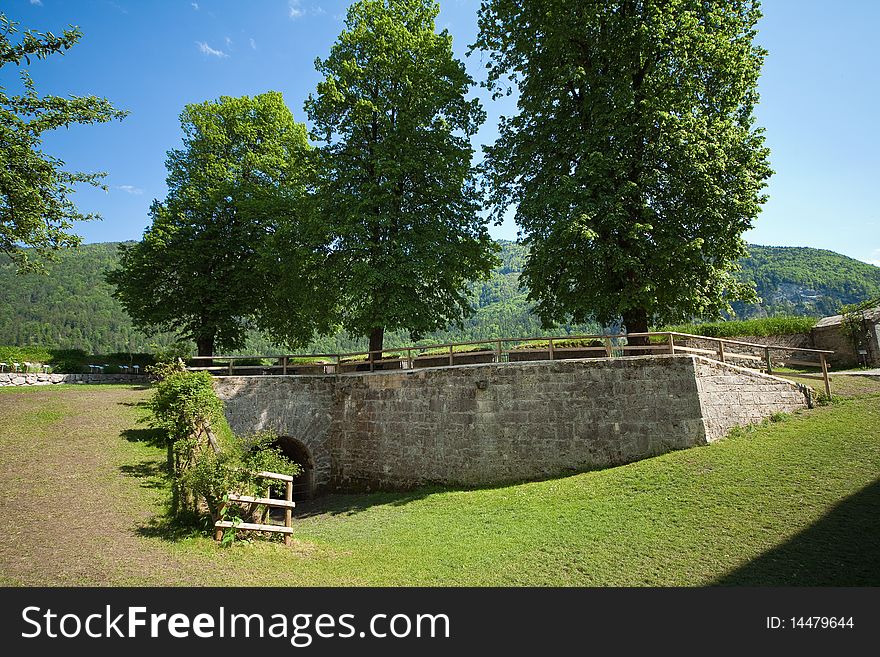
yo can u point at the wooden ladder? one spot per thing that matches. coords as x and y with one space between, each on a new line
269 502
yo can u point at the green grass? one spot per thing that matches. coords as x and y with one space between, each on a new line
794 501
750 327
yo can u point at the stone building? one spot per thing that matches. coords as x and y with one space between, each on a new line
831 333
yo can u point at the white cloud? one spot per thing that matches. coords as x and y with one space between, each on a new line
194 5
253 44
130 189
38 3
228 41
874 258
208 50
297 10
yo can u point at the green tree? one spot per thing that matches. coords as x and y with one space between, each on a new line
35 205
396 187
197 271
633 161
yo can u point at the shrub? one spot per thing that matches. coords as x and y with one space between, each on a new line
560 344
183 401
764 327
212 475
185 405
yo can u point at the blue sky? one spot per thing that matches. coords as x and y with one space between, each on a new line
819 96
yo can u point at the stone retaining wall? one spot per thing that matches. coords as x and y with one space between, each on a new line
33 379
494 423
733 396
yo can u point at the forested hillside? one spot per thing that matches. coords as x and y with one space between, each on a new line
795 280
69 308
72 307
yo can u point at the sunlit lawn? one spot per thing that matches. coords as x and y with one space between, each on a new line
791 502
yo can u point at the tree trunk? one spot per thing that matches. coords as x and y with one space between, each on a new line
205 345
377 340
636 321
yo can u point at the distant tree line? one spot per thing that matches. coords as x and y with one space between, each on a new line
73 306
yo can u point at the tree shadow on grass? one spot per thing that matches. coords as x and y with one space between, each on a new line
152 474
339 504
840 549
351 503
151 437
174 530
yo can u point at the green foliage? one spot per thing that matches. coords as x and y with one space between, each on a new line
72 361
186 407
802 281
212 475
764 327
560 344
35 205
856 324
197 268
396 187
633 161
73 306
183 401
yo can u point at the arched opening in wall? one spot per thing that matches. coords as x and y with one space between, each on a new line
296 451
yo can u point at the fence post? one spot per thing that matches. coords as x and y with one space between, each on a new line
218 532
721 350
288 495
550 342
608 347
498 352
371 361
284 364
450 355
824 364
767 360
231 360
671 344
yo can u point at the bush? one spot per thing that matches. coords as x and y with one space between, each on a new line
72 361
212 475
764 327
183 401
459 349
560 344
185 405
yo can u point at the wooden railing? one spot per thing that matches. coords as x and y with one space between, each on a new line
534 348
267 502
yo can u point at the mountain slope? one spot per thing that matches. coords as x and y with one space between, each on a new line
802 281
73 306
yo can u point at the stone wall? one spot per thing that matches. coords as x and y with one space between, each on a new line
735 396
301 407
833 337
493 423
33 379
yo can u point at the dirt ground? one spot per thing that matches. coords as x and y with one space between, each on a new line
72 519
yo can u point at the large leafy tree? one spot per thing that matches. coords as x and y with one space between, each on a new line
199 268
633 161
396 186
36 210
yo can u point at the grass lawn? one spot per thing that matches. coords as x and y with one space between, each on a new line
791 502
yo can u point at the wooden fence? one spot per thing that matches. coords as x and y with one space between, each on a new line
503 350
267 503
